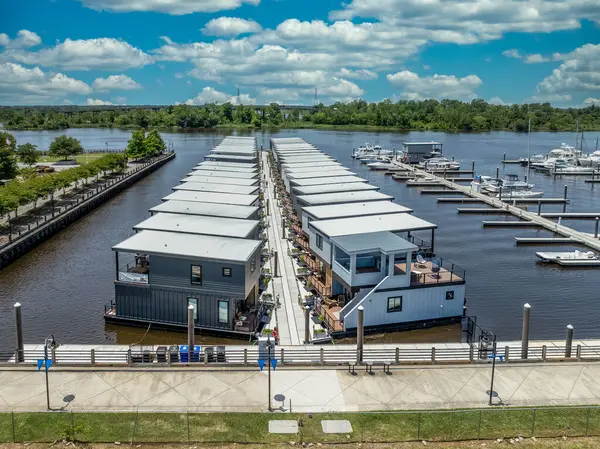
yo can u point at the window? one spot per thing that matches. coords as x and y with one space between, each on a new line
223 312
226 272
395 304
194 302
319 241
253 265
197 274
449 295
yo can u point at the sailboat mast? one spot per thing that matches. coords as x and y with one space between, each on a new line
528 148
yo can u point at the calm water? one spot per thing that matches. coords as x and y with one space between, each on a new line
65 282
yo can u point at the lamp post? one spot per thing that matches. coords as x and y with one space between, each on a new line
269 368
49 343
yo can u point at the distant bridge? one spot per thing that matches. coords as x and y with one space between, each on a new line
71 109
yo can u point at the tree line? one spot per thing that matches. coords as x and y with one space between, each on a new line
444 115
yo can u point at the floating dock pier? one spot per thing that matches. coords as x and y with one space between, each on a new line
545 241
509 206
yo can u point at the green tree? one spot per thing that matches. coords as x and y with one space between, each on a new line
27 153
136 147
155 143
65 146
8 161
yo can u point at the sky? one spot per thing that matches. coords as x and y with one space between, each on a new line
98 52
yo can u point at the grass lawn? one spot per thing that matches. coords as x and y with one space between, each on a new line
80 158
252 428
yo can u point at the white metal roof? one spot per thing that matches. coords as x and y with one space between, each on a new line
333 188
385 241
222 174
372 223
207 209
321 174
342 197
230 181
234 150
214 187
305 158
252 171
212 197
346 210
199 224
422 143
286 166
326 180
228 165
228 157
190 246
323 166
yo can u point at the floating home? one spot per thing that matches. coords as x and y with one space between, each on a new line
200 247
362 249
415 152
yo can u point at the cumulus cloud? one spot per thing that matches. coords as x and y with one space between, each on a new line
549 98
175 7
24 39
19 84
437 86
230 26
591 102
85 54
479 20
115 82
579 72
360 74
211 95
536 59
496 100
512 53
97 102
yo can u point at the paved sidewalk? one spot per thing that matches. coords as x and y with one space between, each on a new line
313 390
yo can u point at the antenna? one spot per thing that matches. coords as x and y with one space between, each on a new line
238 96
316 99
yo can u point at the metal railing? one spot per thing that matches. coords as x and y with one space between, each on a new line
296 355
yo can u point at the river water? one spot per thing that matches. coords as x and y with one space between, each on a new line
64 283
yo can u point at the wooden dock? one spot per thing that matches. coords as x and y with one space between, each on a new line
508 223
482 210
572 215
573 235
437 191
545 241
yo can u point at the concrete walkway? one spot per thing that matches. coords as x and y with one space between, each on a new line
313 390
291 330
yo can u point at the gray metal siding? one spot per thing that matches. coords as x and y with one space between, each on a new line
252 278
174 272
170 306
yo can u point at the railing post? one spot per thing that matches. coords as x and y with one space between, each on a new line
322 356
397 354
544 349
205 356
245 356
433 355
169 357
471 353
569 341
282 357
578 353
506 353
129 359
92 357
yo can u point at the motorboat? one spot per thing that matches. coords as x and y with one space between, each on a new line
423 180
518 193
508 182
383 164
485 183
570 258
439 164
435 153
565 154
592 160
535 158
367 151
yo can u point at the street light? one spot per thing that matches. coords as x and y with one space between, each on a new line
49 343
269 367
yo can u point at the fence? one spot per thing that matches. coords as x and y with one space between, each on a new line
367 427
339 355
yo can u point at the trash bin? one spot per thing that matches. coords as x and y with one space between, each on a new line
161 354
184 352
174 354
209 353
220 353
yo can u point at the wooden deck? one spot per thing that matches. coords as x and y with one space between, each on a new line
332 317
422 274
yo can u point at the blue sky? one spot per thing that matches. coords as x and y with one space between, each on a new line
199 51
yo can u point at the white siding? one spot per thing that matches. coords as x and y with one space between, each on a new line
324 253
418 304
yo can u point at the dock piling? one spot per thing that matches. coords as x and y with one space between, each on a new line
525 331
360 334
191 335
504 157
596 227
19 328
565 197
569 342
473 168
539 208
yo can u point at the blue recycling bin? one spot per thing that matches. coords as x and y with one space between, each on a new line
184 352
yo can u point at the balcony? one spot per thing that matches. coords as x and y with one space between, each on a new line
431 272
310 262
136 273
317 283
302 242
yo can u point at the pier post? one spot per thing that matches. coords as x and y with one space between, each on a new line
525 331
275 265
360 334
473 168
596 227
190 332
569 342
497 172
306 325
565 203
504 157
19 328
267 206
539 208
